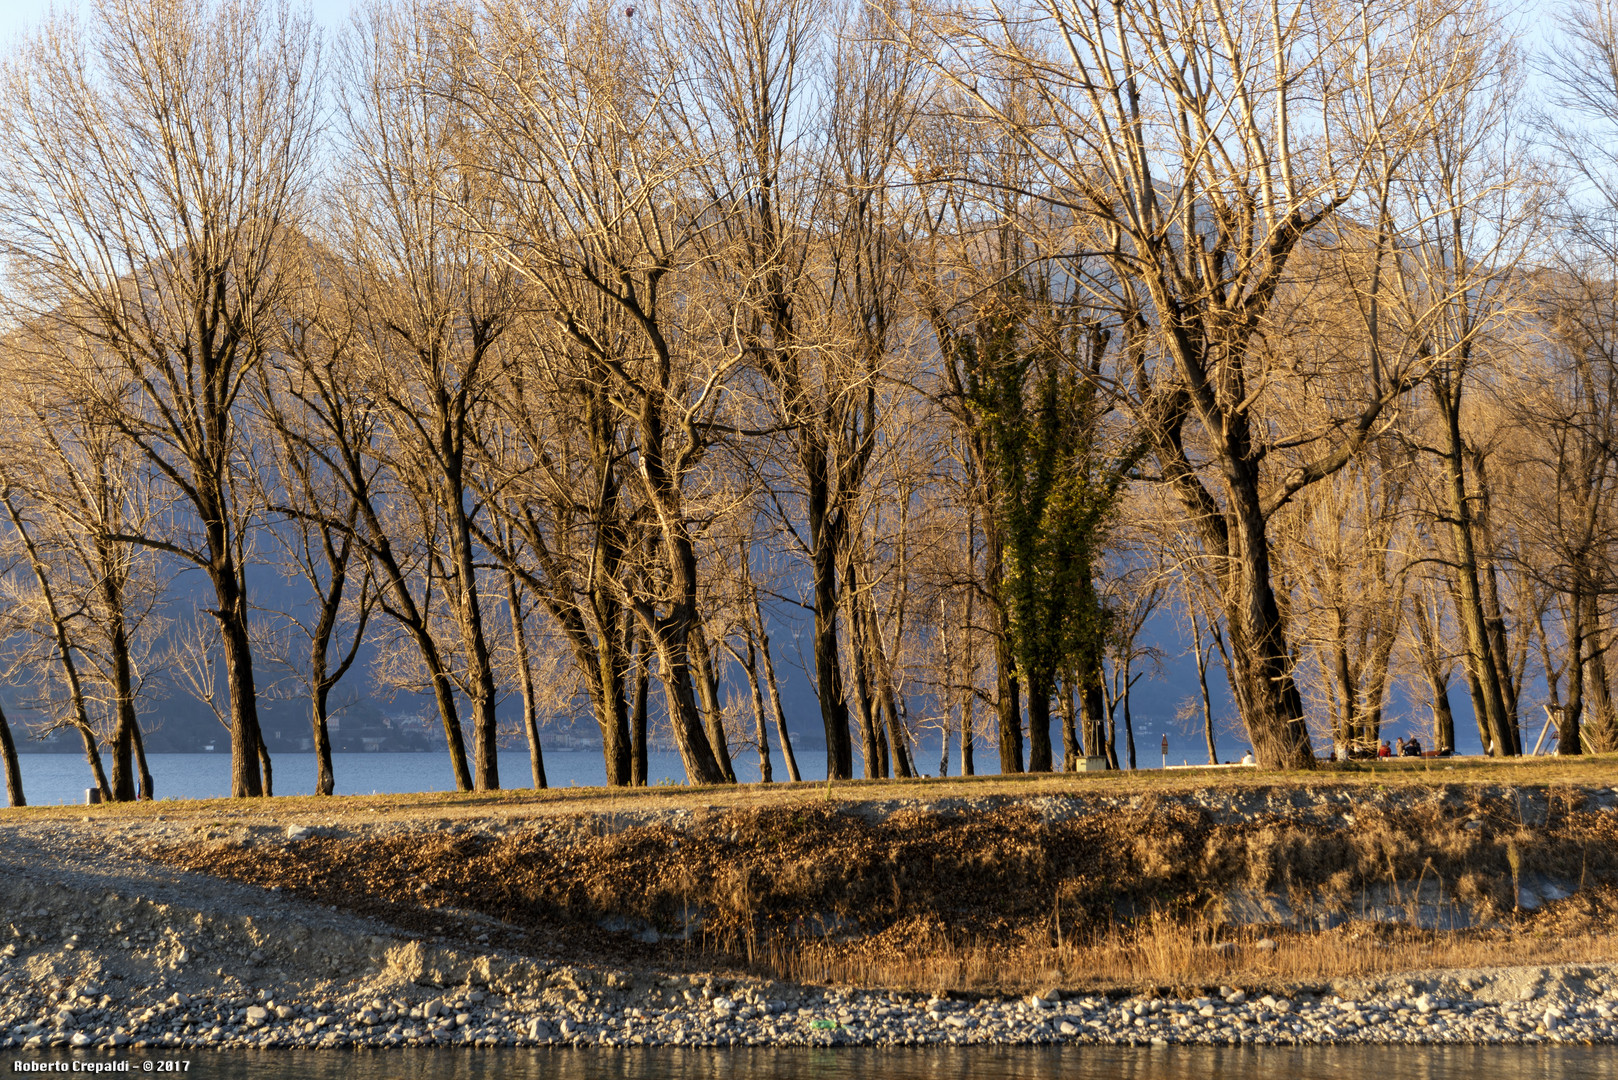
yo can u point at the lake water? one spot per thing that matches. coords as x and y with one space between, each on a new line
61 778
933 1063
51 779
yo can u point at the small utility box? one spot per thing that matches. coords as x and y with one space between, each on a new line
1094 764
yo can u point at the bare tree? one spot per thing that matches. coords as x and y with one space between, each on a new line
318 538
154 163
434 308
572 122
1195 148
74 492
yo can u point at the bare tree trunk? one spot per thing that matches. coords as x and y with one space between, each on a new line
325 778
1112 732
1443 715
525 681
897 741
1093 706
875 761
1569 717
469 614
246 778
1039 729
775 692
968 734
1262 664
685 718
264 767
611 705
1482 667
1376 688
1602 730
750 666
140 762
1071 749
1008 705
1129 720
824 541
321 676
126 724
1202 685
1493 612
8 751
405 611
1346 729
639 766
713 715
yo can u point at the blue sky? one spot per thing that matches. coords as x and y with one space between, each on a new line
20 16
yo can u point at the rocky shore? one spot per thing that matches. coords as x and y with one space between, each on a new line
1546 1005
104 945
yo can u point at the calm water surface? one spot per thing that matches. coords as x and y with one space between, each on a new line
61 778
50 779
977 1063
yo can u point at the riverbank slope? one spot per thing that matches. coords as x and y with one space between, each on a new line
1476 899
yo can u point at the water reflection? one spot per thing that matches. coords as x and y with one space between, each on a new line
937 1063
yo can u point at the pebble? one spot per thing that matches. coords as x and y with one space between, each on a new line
758 1013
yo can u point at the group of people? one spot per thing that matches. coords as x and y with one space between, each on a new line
1411 748
1359 751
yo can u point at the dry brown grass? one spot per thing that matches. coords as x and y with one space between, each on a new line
1179 955
992 898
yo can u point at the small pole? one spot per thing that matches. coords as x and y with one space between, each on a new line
1165 751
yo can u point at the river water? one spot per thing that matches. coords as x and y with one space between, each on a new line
935 1063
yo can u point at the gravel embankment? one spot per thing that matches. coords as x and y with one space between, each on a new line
104 948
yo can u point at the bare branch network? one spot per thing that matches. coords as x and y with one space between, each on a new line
975 359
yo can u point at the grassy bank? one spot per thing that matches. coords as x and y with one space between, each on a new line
971 884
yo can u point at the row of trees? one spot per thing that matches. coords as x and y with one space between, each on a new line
564 346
